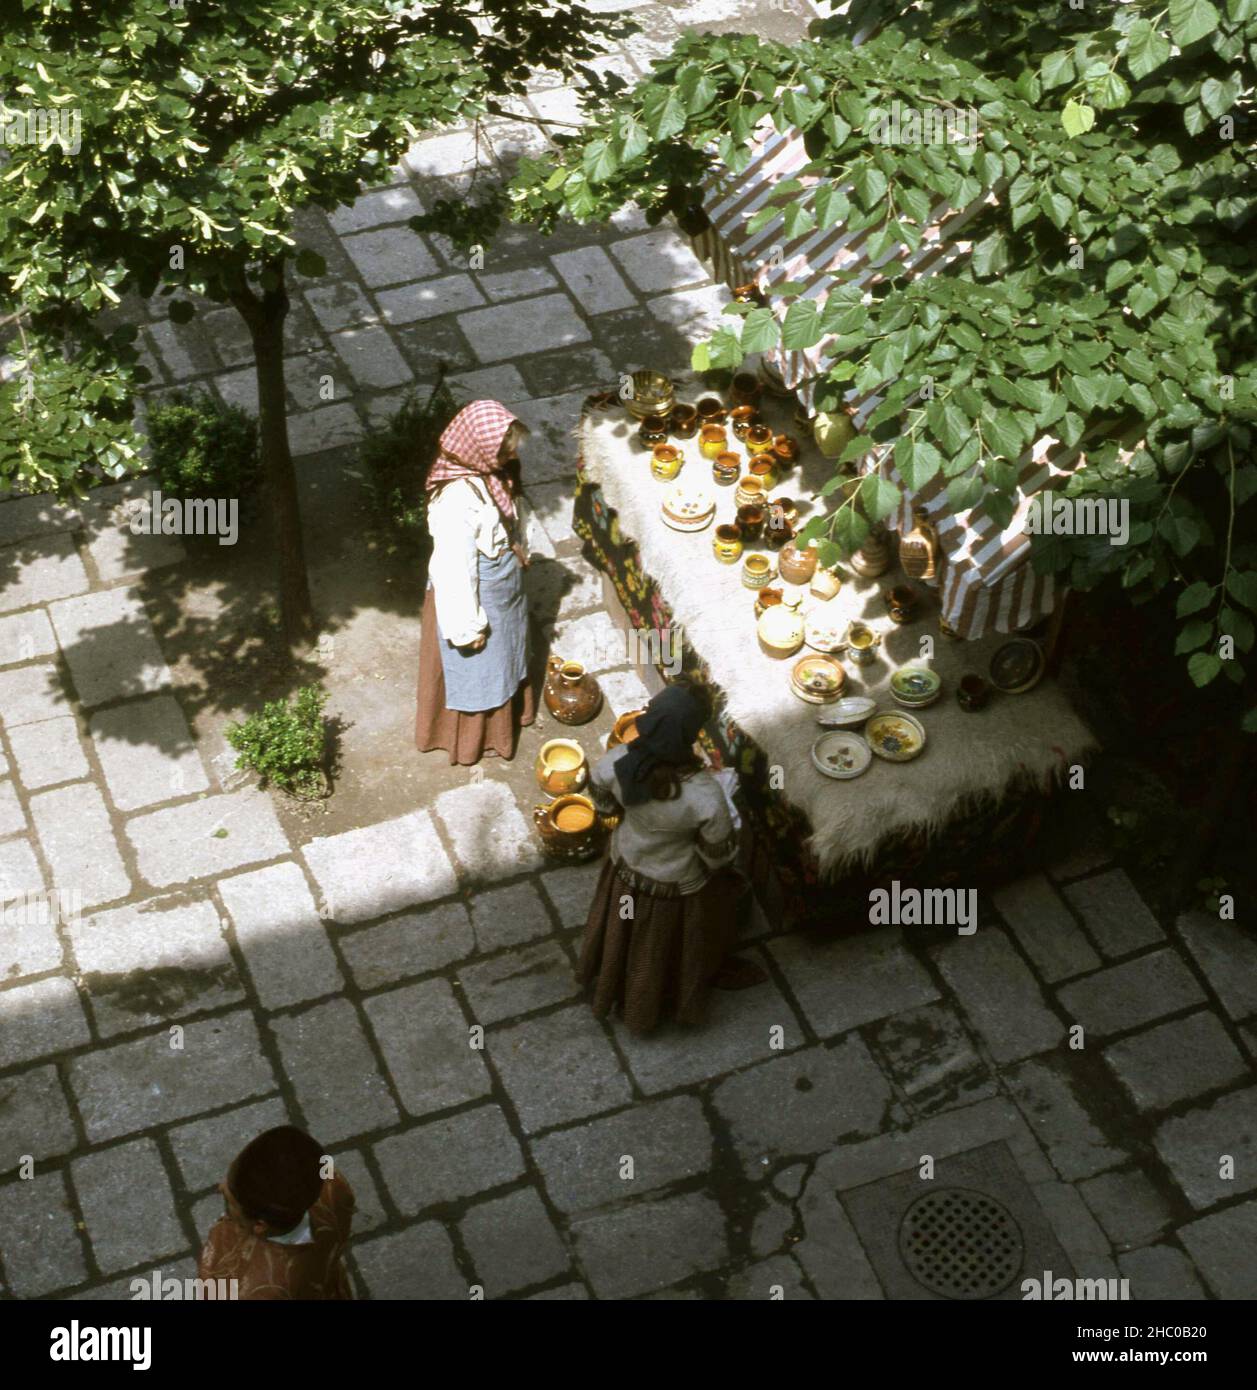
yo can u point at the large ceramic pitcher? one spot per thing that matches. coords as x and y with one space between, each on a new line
570 829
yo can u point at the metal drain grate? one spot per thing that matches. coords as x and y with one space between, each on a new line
961 1244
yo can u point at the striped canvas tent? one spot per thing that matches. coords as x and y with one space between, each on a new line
985 582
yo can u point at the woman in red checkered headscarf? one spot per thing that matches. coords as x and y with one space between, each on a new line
474 693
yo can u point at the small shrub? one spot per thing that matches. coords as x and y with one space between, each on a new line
395 461
203 448
285 743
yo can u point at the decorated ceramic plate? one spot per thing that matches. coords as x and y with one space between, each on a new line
687 508
895 736
847 712
817 679
841 754
824 631
915 685
1017 666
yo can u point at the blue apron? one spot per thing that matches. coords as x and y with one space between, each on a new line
483 680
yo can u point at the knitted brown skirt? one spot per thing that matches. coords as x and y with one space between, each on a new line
465 737
657 964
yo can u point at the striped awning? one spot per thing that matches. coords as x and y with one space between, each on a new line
985 582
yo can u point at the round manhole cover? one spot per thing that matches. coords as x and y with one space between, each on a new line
961 1244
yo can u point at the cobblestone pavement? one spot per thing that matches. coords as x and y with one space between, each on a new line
232 970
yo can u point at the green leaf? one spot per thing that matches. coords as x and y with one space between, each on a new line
850 528
878 497
801 328
832 205
1217 97
1181 532
1242 586
1146 49
1001 433
964 493
1192 635
1056 69
663 112
869 185
1077 119
1191 20
1109 93
797 220
1204 667
1056 206
760 330
918 461
600 161
700 357
836 129
1195 597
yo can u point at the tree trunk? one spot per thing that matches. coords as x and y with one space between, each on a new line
265 314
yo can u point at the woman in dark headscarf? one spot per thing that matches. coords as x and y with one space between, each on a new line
663 917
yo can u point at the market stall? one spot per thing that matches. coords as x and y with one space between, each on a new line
963 800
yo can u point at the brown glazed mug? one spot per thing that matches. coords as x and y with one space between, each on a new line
747 388
711 411
972 693
751 520
683 421
741 418
726 543
653 429
726 469
901 603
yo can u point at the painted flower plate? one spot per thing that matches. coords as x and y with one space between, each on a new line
1017 666
915 686
896 736
847 712
841 754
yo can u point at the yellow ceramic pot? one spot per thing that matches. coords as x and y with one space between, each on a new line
759 439
561 767
726 543
764 467
712 441
665 462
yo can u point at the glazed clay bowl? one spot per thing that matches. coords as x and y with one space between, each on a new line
561 767
625 728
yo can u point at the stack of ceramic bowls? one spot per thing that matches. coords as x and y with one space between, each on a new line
914 687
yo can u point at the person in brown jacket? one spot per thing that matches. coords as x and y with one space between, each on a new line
286 1229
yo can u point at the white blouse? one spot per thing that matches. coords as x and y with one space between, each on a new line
464 524
667 848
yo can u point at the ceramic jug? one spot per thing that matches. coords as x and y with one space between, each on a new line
780 629
570 692
918 548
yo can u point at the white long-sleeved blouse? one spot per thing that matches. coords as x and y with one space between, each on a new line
464 524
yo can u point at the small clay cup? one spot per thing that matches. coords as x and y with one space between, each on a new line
725 469
741 418
747 388
653 430
972 693
665 462
711 411
712 441
759 440
726 543
751 520
901 603
683 422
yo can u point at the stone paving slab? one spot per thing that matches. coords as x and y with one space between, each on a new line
40 571
741 1027
327 1059
1000 996
518 982
30 945
557 1068
1222 1246
380 869
1192 1147
512 330
22 518
841 984
146 753
594 282
38 1242
427 1048
417 1263
509 916
805 1103
48 753
512 1243
12 817
1160 1273
32 693
1227 953
281 936
1114 913
40 1018
169 1075
206 837
583 1167
36 1117
431 299
446 1160
1127 1205
650 1244
1075 1145
1045 928
109 645
1176 1061
412 944
1136 992
78 842
153 961
24 636
105 1182
490 836
930 1058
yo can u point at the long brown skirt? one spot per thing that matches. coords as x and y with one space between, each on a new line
465 737
656 965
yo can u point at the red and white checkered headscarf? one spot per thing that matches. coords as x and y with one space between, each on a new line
469 449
